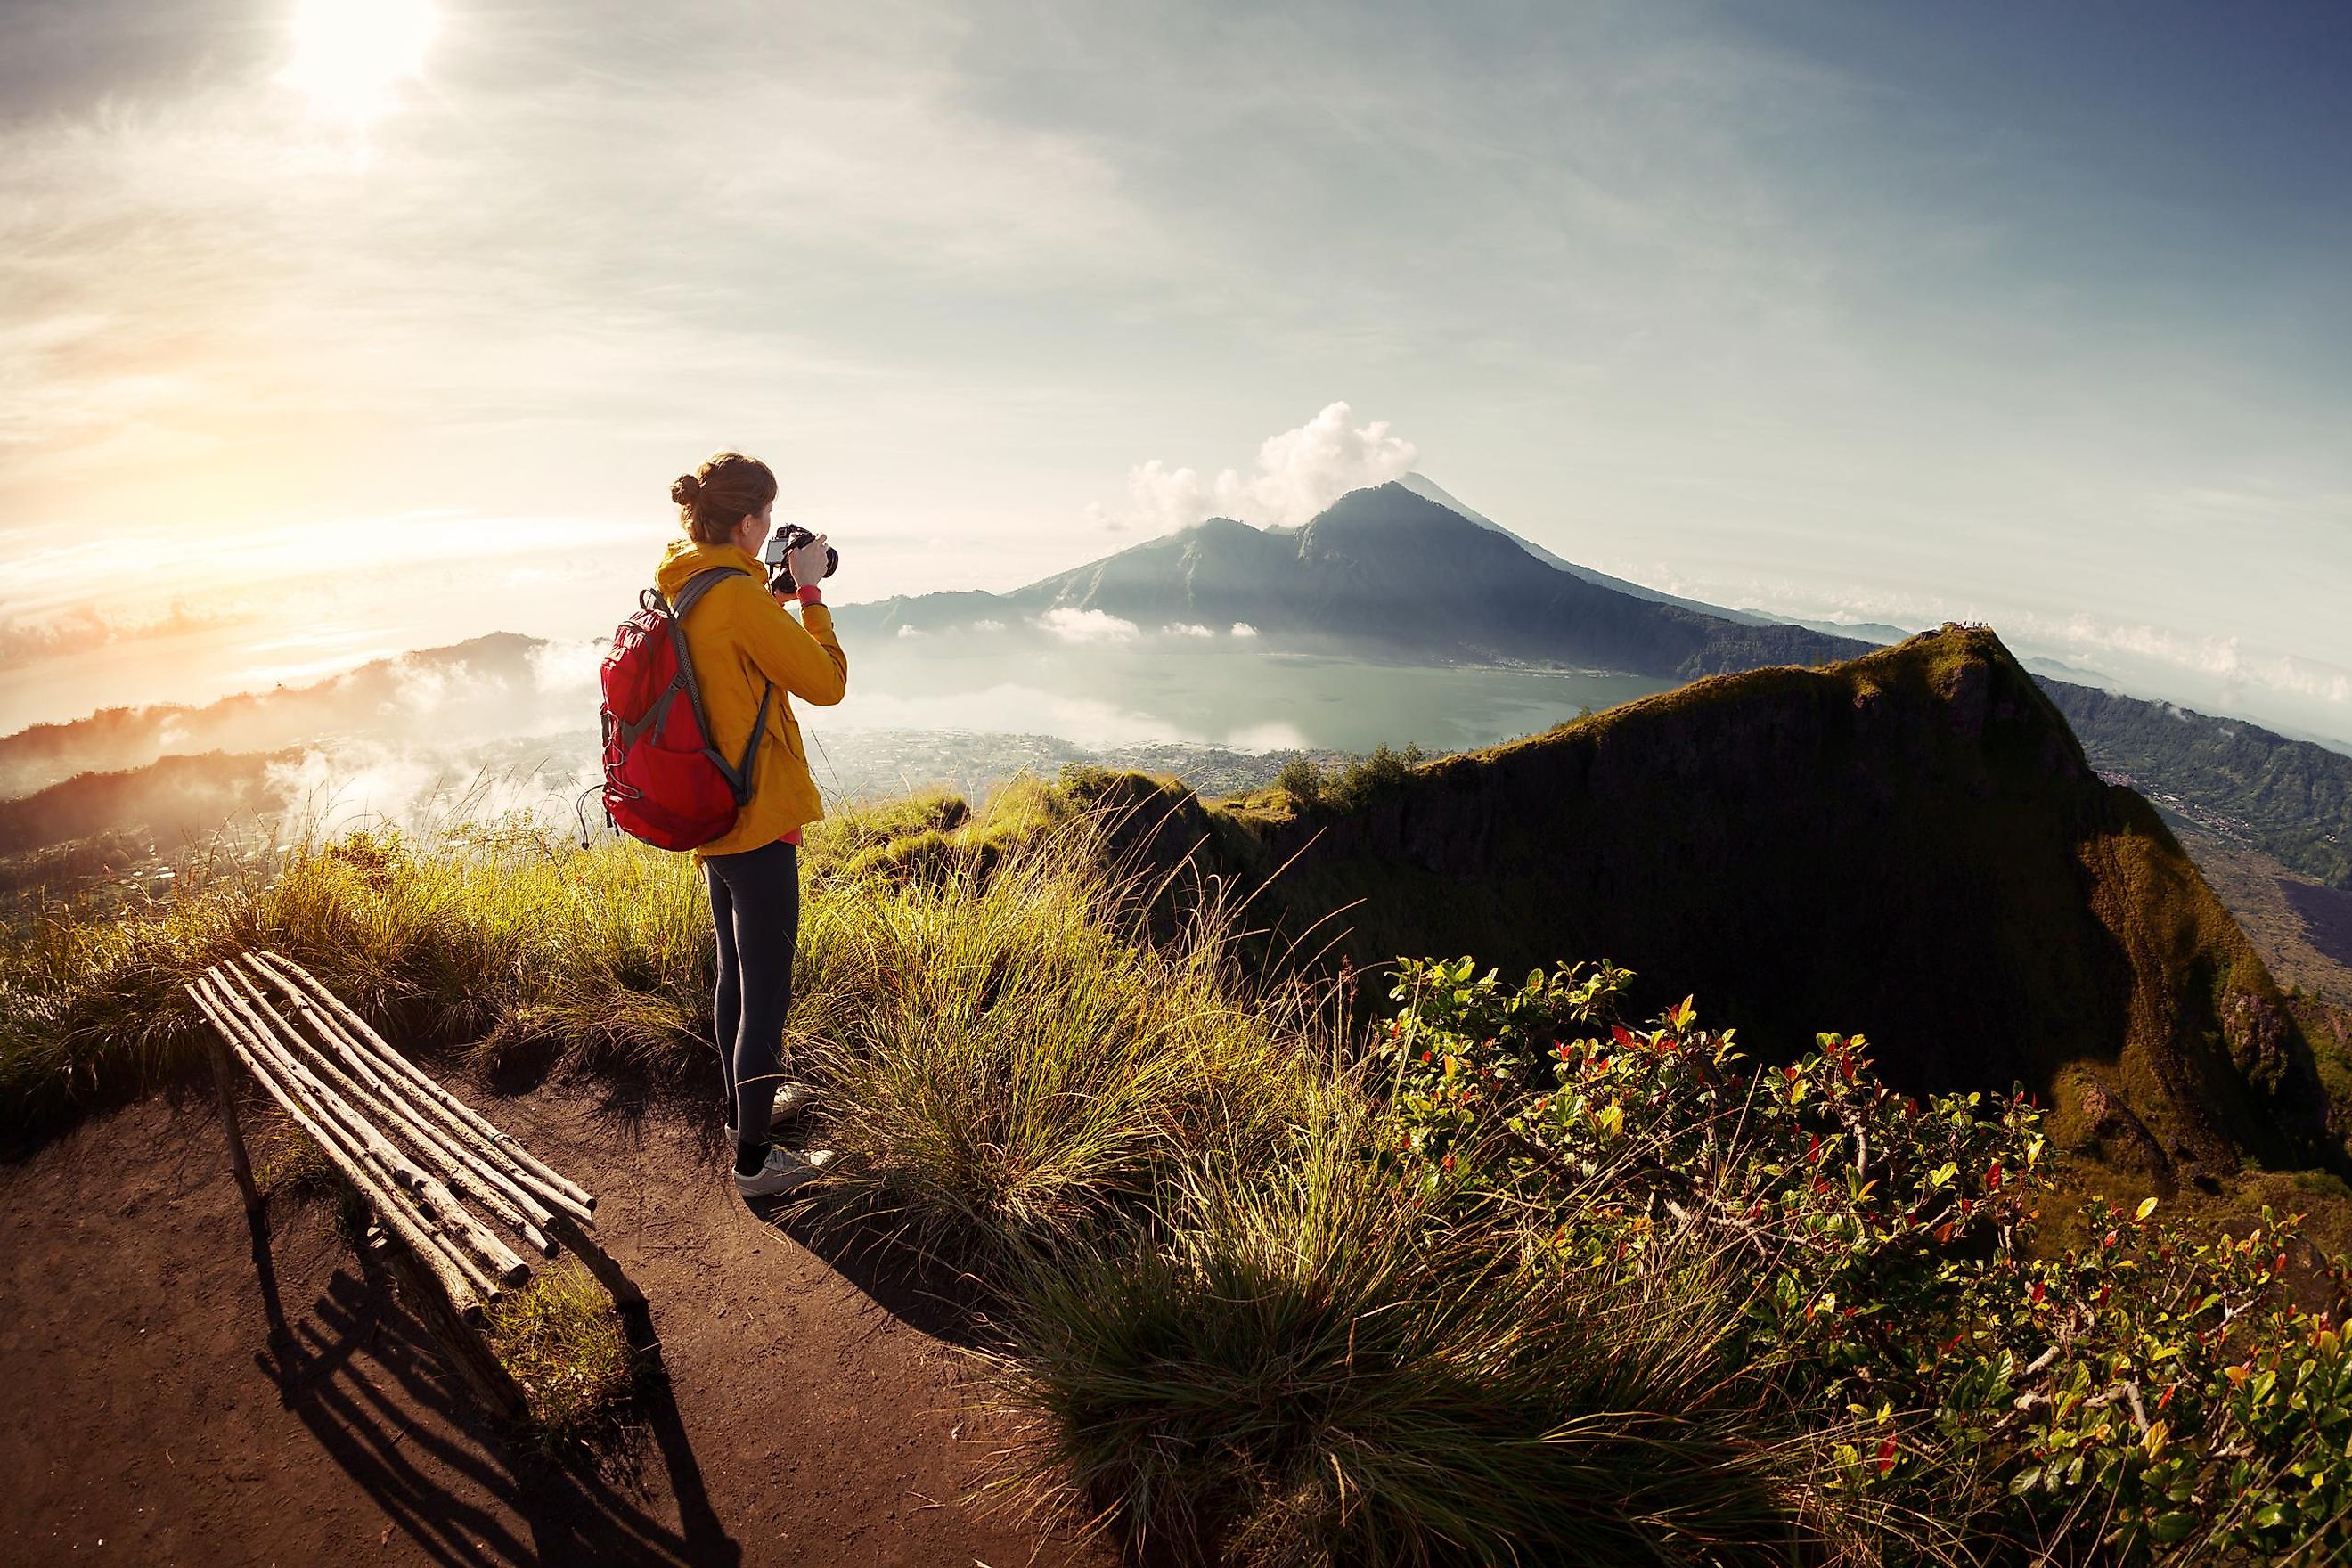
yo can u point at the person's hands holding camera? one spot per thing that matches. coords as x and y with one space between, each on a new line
808 561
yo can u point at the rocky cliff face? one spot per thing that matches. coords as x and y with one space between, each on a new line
1908 846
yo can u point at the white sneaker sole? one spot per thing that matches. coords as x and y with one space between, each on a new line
786 1169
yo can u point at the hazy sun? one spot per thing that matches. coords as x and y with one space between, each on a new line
351 56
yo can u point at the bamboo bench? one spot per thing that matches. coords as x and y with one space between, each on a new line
411 1149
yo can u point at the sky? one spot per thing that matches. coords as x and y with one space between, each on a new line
329 328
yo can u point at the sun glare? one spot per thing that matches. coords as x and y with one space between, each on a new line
352 56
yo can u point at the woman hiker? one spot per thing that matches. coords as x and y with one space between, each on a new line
741 641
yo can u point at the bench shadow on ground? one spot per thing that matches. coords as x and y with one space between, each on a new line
369 1382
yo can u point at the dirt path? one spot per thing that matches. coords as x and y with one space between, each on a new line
144 1417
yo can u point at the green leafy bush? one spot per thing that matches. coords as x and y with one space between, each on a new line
1301 779
1351 783
2148 1392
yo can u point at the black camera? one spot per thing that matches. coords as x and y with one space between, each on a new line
791 536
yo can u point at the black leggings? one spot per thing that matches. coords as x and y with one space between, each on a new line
755 906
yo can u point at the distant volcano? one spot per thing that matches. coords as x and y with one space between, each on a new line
1386 572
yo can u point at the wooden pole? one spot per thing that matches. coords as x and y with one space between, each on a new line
238 1163
568 1221
459 1289
428 1120
551 1185
347 1152
569 1224
505 1143
467 1172
287 1049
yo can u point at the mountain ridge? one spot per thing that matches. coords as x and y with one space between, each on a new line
1911 845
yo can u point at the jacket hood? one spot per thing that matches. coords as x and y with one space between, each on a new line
684 557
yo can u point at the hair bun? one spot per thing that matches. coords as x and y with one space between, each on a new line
683 489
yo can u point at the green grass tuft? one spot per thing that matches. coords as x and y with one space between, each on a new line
1005 1069
561 1340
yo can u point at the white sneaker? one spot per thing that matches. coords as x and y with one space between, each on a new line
793 1097
784 1170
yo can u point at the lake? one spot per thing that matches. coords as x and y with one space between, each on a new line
1221 695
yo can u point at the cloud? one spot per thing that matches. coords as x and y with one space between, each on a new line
420 689
911 631
2308 677
2218 667
1298 473
988 625
1072 626
86 627
1012 709
208 297
566 669
332 789
2237 669
1243 629
1186 630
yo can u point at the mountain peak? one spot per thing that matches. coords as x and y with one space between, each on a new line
1429 489
1214 526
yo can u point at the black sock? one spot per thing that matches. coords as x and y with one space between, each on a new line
750 1157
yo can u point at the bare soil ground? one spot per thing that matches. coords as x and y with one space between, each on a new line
809 1414
2302 928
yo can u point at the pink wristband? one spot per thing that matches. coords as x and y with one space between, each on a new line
810 593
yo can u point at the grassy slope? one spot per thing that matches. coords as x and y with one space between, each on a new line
1019 1085
1909 846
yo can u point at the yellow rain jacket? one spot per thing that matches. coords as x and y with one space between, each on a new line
740 640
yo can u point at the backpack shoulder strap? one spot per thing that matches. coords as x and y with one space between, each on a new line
674 612
737 774
701 582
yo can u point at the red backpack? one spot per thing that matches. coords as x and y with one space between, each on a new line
665 782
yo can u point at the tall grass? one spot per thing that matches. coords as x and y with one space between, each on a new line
491 935
562 1341
1314 1364
923 921
92 1010
1007 1064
